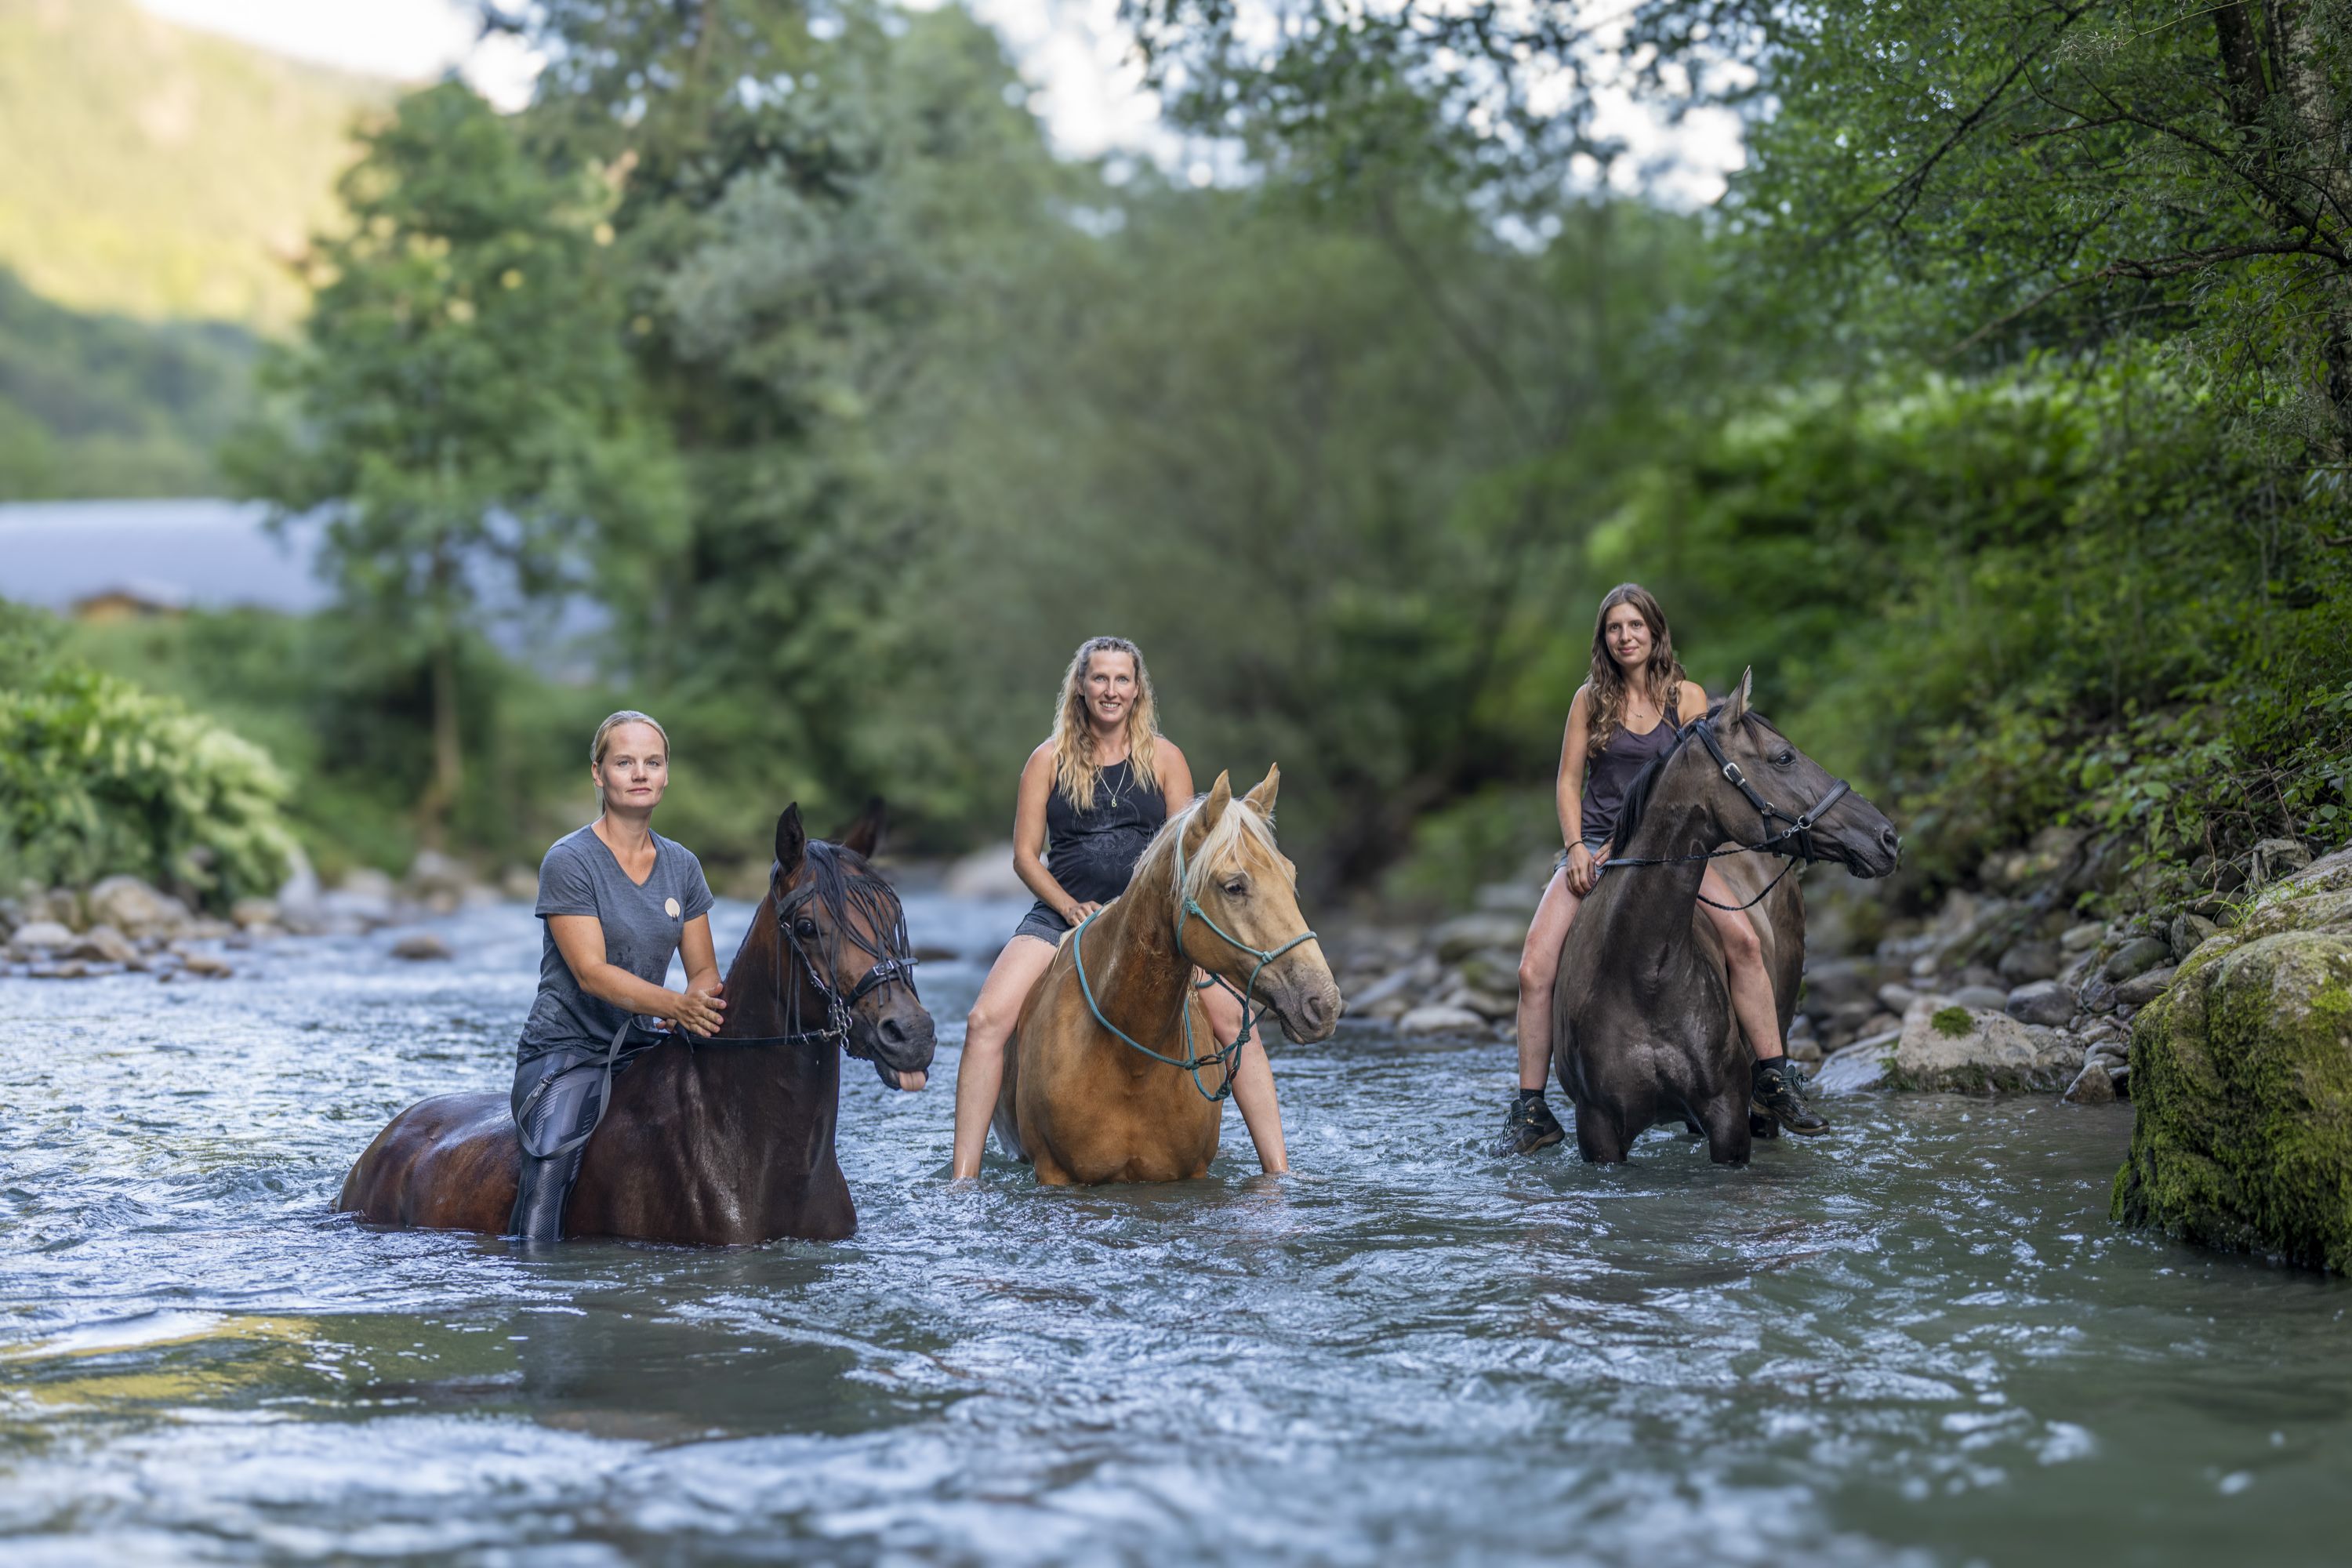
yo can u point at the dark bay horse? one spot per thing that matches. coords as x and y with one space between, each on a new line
1083 1104
707 1142
1643 1030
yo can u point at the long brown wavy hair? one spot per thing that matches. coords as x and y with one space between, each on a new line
1075 771
1663 674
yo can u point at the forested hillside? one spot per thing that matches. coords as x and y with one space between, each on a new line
162 173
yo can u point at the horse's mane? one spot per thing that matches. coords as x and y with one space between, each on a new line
1239 827
1645 783
845 889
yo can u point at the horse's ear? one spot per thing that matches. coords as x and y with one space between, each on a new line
792 843
864 835
1260 799
1734 707
1211 812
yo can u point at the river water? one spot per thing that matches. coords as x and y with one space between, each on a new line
1918 1340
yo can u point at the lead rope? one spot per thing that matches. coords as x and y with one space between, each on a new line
1227 1056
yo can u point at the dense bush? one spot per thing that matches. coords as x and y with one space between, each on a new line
97 776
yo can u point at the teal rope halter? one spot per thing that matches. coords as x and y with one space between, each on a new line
1225 1057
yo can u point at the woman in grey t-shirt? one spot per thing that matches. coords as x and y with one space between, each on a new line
620 900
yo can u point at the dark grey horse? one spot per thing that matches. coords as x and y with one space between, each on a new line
1643 1030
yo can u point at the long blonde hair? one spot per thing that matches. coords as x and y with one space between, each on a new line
1075 771
1663 673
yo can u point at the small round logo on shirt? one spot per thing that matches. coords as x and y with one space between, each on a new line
669 906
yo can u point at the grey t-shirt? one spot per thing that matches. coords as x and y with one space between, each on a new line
641 927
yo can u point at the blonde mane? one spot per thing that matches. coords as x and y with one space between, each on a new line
1240 829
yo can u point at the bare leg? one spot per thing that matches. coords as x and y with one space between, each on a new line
1743 959
1252 1080
1538 964
980 1072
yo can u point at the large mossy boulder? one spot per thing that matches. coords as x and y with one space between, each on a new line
2242 1074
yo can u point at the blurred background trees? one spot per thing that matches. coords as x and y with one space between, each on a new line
1997 415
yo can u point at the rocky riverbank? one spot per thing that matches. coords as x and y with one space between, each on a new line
2003 988
121 924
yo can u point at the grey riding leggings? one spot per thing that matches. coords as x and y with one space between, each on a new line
563 1111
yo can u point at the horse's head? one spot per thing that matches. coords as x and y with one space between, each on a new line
1761 786
845 949
1252 935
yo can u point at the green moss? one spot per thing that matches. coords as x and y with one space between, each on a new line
1952 1021
2242 1077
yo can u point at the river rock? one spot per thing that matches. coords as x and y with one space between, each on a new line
133 907
103 944
364 899
1896 999
38 936
1858 1068
1517 898
1972 1051
1495 970
1832 981
2137 956
205 965
1421 974
1981 997
518 884
2142 989
1441 1021
2091 1085
1460 937
2189 933
2243 1074
982 874
2080 938
2276 858
2030 960
421 947
2040 1002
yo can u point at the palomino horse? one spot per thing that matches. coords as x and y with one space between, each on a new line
1115 1074
718 1143
1642 1021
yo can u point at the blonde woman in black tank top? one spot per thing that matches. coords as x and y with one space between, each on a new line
1623 718
1105 752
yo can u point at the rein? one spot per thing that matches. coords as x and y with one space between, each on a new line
1227 1056
1797 831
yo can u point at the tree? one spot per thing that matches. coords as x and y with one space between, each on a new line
464 418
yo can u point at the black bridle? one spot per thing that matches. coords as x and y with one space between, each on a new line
1793 840
894 963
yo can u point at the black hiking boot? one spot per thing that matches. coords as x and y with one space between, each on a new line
1777 1093
1530 1125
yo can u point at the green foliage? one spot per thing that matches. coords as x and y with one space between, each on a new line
97 776
1952 1022
465 413
352 727
102 407
162 173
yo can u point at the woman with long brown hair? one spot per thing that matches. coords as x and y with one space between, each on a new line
1627 714
1091 796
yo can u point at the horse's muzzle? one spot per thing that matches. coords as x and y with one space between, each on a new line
1309 1010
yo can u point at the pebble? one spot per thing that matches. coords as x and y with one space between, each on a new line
2143 988
1441 1021
2041 1002
421 947
2091 1085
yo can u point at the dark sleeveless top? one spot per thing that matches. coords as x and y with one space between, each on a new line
1093 853
1611 771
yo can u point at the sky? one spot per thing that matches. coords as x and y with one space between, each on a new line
1073 52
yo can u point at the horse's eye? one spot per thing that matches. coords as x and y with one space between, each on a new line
804 928
1236 887
1784 759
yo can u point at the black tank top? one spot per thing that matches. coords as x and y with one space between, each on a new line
1611 772
1092 853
